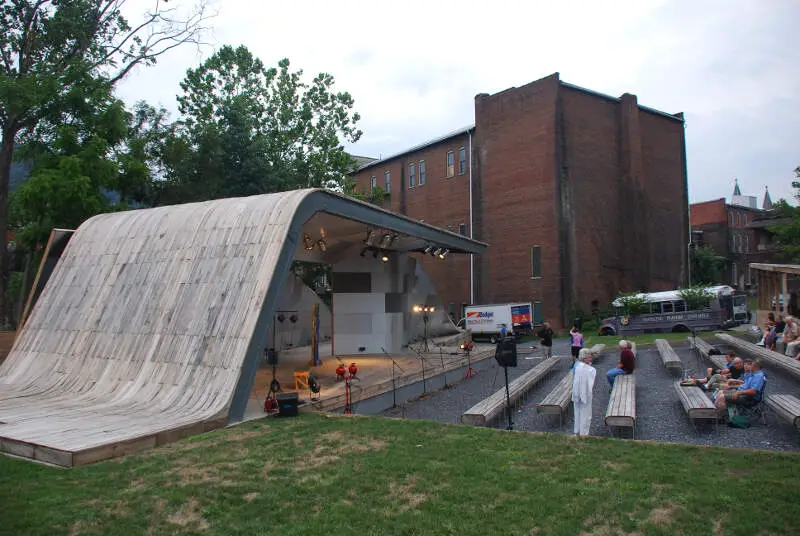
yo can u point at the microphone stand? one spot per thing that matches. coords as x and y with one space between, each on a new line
424 384
394 381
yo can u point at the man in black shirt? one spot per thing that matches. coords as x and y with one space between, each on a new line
546 336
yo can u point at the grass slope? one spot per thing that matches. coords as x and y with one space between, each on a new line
341 475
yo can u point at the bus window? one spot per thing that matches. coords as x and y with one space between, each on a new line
666 307
680 306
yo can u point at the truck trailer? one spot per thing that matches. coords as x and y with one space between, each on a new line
489 320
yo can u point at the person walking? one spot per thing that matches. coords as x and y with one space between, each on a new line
576 338
582 386
546 340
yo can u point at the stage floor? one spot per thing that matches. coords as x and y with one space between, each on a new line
374 373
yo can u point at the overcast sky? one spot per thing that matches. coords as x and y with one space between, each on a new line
414 68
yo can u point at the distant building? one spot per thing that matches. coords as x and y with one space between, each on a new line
738 232
580 196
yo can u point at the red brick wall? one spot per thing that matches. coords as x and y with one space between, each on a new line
667 211
597 234
708 212
515 178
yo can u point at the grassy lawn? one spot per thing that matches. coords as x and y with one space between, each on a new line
341 475
646 338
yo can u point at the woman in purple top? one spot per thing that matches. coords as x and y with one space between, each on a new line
576 341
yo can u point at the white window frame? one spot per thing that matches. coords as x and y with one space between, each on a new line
387 181
450 168
462 150
422 172
373 182
412 174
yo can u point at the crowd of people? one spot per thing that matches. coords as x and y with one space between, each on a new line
781 330
739 383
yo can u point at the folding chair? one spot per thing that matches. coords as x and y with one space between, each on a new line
757 410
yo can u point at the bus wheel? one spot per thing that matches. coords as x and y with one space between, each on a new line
493 339
680 328
607 332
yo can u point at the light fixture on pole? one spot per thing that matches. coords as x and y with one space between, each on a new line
425 310
308 242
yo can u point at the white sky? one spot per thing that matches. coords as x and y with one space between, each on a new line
414 67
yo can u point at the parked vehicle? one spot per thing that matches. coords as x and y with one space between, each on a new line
488 320
667 312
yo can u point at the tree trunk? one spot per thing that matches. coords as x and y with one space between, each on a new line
6 158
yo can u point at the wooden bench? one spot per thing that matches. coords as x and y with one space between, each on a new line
668 355
704 347
785 406
786 364
492 407
696 403
557 402
621 411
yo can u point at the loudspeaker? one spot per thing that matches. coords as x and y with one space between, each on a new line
287 405
272 356
506 352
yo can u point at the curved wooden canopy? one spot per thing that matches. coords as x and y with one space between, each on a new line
153 322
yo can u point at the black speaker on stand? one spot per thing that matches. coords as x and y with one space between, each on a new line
506 355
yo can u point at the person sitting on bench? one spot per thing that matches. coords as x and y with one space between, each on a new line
749 393
733 370
791 337
627 362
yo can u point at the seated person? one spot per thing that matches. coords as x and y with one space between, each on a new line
718 377
726 381
729 358
627 362
749 393
791 336
769 327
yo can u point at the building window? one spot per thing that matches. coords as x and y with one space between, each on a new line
536 261
462 229
730 216
734 275
373 182
412 175
421 172
738 220
450 164
462 161
387 181
745 220
747 243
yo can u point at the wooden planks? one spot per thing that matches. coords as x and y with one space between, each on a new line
621 411
695 402
558 400
785 406
668 355
492 407
704 347
780 361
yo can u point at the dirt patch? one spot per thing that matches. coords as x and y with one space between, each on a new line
314 462
405 495
663 516
240 435
139 483
189 515
190 472
593 481
333 436
739 472
250 497
156 518
718 528
614 466
268 467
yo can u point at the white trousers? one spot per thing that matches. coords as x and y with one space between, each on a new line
583 417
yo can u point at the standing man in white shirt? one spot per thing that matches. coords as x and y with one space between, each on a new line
582 386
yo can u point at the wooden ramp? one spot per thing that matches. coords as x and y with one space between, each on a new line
492 407
786 364
153 322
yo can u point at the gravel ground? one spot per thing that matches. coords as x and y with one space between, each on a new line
660 416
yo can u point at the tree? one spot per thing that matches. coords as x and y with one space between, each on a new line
707 266
696 297
248 129
49 51
787 231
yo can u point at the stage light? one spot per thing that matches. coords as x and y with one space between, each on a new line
363 252
308 242
437 252
386 241
428 250
385 257
370 240
417 308
322 244
442 255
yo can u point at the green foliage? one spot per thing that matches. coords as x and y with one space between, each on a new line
707 266
696 297
376 196
633 304
247 129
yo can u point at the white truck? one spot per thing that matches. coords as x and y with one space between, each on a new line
488 320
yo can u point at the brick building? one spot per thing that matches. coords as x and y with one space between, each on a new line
737 231
580 196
